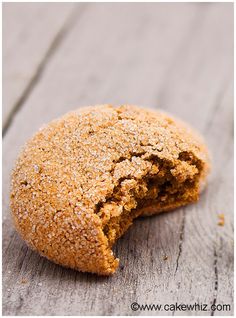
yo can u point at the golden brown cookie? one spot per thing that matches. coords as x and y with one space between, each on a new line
82 179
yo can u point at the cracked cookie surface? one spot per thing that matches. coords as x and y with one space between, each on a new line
82 179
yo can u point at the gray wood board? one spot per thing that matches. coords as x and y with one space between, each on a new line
31 33
176 57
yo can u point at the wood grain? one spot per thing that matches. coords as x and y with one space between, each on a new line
30 34
177 57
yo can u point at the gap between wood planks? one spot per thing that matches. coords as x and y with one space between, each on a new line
209 121
55 44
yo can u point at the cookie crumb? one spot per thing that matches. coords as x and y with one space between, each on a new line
165 258
221 218
23 281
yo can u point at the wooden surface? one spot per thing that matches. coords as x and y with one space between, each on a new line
176 57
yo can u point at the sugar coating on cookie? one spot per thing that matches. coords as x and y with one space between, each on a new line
82 179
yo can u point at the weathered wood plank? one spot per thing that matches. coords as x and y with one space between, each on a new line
173 56
29 29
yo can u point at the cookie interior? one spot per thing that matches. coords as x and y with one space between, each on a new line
165 187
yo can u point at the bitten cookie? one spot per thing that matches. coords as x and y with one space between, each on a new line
82 179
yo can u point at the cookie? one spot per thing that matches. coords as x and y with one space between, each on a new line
82 179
